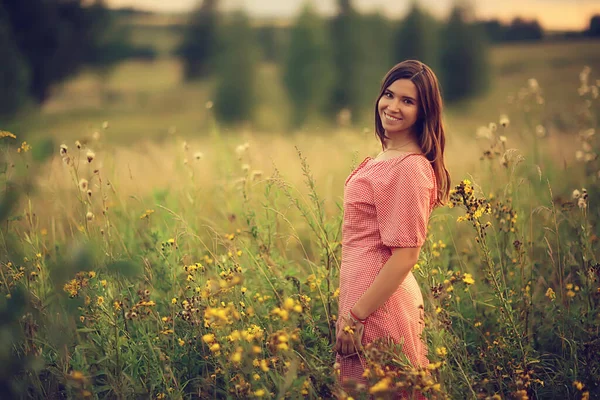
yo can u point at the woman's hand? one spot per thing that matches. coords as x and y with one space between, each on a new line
349 336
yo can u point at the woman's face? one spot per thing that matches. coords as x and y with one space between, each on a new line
399 107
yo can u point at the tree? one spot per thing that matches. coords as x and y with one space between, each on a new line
464 66
594 29
198 48
308 71
521 29
349 50
14 72
236 70
416 38
54 38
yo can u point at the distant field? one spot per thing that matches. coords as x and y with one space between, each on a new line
143 100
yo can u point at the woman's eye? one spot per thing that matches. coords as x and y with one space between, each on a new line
388 95
407 101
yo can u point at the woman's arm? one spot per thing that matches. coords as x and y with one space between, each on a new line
391 276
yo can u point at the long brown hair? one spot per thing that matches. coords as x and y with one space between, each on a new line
430 128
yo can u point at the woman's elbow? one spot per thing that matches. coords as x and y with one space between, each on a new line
409 255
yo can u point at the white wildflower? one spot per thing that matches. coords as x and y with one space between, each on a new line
540 131
484 132
78 144
63 149
493 127
105 125
198 155
209 104
504 121
581 203
533 84
90 156
502 139
245 167
83 184
576 194
256 174
89 216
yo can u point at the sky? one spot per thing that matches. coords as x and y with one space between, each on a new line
552 14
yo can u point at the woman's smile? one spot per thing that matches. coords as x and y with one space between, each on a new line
391 118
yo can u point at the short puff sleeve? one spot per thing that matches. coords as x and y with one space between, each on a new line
404 194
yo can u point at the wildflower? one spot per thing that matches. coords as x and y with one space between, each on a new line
209 104
540 131
181 342
578 385
579 155
502 139
78 144
441 351
208 338
174 300
90 156
198 155
483 132
504 121
116 305
83 184
493 127
533 84
184 145
570 293
576 194
24 148
264 366
381 386
89 216
581 203
105 125
550 294
100 300
256 174
468 279
245 167
259 393
4 134
215 347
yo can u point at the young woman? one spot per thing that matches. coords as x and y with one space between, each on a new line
387 203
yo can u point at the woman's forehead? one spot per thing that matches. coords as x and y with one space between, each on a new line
404 87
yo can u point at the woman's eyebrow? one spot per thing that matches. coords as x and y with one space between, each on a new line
404 96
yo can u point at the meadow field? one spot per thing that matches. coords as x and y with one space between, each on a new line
149 252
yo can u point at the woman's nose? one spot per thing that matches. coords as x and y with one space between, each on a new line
394 105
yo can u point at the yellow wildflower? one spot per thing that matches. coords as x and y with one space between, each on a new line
100 300
381 386
259 393
181 342
578 385
441 351
468 279
208 338
550 294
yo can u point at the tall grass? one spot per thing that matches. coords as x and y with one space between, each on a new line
214 279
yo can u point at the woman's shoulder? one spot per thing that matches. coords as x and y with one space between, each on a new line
412 167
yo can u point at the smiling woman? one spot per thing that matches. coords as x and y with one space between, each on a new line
387 203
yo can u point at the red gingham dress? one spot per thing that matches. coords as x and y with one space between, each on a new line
387 204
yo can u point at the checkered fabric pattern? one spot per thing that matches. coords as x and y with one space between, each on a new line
387 204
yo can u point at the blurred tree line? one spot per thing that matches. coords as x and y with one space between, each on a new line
42 42
331 67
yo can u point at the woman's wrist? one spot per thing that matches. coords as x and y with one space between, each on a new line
356 318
